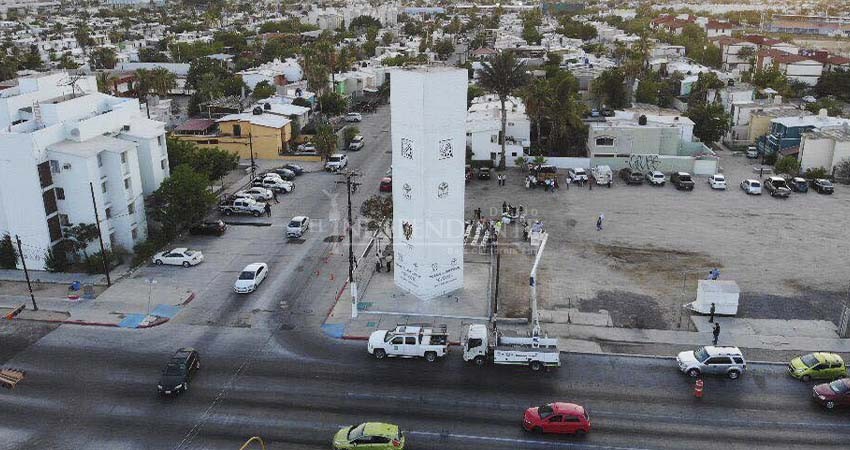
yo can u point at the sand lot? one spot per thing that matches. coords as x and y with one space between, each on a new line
789 257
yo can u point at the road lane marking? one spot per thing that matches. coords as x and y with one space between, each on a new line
518 441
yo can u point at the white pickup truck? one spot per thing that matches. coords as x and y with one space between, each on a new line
242 206
408 341
481 345
603 175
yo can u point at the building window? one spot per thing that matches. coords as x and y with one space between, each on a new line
103 187
493 156
99 160
123 157
54 166
126 183
237 130
494 138
60 193
134 233
162 164
131 208
54 228
64 220
159 140
49 202
44 175
605 141
108 213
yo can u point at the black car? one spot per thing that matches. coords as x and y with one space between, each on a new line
284 173
630 176
295 168
682 181
484 173
179 371
213 227
823 186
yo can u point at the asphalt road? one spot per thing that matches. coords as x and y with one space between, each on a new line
268 371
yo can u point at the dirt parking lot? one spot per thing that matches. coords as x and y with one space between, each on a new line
789 257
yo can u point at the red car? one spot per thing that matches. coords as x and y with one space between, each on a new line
559 418
386 185
833 394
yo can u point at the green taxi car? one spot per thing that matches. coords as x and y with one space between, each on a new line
825 366
371 436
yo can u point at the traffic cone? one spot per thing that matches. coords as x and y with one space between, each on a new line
698 388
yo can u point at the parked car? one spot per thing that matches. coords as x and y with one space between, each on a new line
295 168
250 278
752 187
776 187
656 178
712 360
631 176
559 418
213 227
242 206
297 226
369 435
337 161
817 366
833 394
308 148
386 184
483 173
356 143
283 172
257 193
179 371
717 181
577 175
682 181
353 117
798 184
823 186
752 153
179 257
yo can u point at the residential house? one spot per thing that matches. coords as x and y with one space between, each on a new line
276 73
267 136
825 147
738 55
714 28
64 143
484 125
795 67
786 132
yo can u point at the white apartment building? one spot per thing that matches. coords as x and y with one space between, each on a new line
6 5
59 142
484 124
825 147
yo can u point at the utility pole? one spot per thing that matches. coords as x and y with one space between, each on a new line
351 187
26 272
251 148
100 237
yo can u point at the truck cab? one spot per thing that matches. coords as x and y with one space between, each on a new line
406 341
481 345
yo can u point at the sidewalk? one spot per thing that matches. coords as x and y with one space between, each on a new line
125 304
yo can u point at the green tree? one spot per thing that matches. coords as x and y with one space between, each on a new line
834 83
564 111
711 121
832 106
610 90
326 141
79 236
503 76
648 90
103 58
213 162
361 23
787 165
151 54
535 95
181 200
473 91
333 104
8 254
378 211
349 134
444 48
842 171
105 82
531 35
263 90
56 261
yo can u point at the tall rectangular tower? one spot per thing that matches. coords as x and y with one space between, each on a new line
428 108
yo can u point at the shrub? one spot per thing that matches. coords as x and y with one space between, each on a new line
94 263
8 254
145 250
817 172
842 170
56 261
787 165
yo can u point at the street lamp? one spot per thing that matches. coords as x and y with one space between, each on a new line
150 282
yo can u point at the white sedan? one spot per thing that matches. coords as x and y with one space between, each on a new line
179 257
250 278
257 193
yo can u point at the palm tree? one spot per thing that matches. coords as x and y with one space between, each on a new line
106 82
326 141
535 97
503 76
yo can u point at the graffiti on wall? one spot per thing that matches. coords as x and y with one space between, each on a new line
644 163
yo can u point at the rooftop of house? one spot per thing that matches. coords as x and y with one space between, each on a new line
263 120
841 134
91 147
192 125
817 121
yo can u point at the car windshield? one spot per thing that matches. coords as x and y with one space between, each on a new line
809 360
839 387
246 275
356 432
700 354
658 175
357 139
579 171
189 253
826 183
780 183
295 224
685 178
173 370
718 178
755 184
335 158
545 411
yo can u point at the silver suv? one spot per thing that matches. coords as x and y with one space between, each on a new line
712 360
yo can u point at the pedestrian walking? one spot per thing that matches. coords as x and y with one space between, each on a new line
274 197
528 182
504 180
599 222
711 314
268 209
555 184
590 182
761 172
504 207
568 181
716 332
